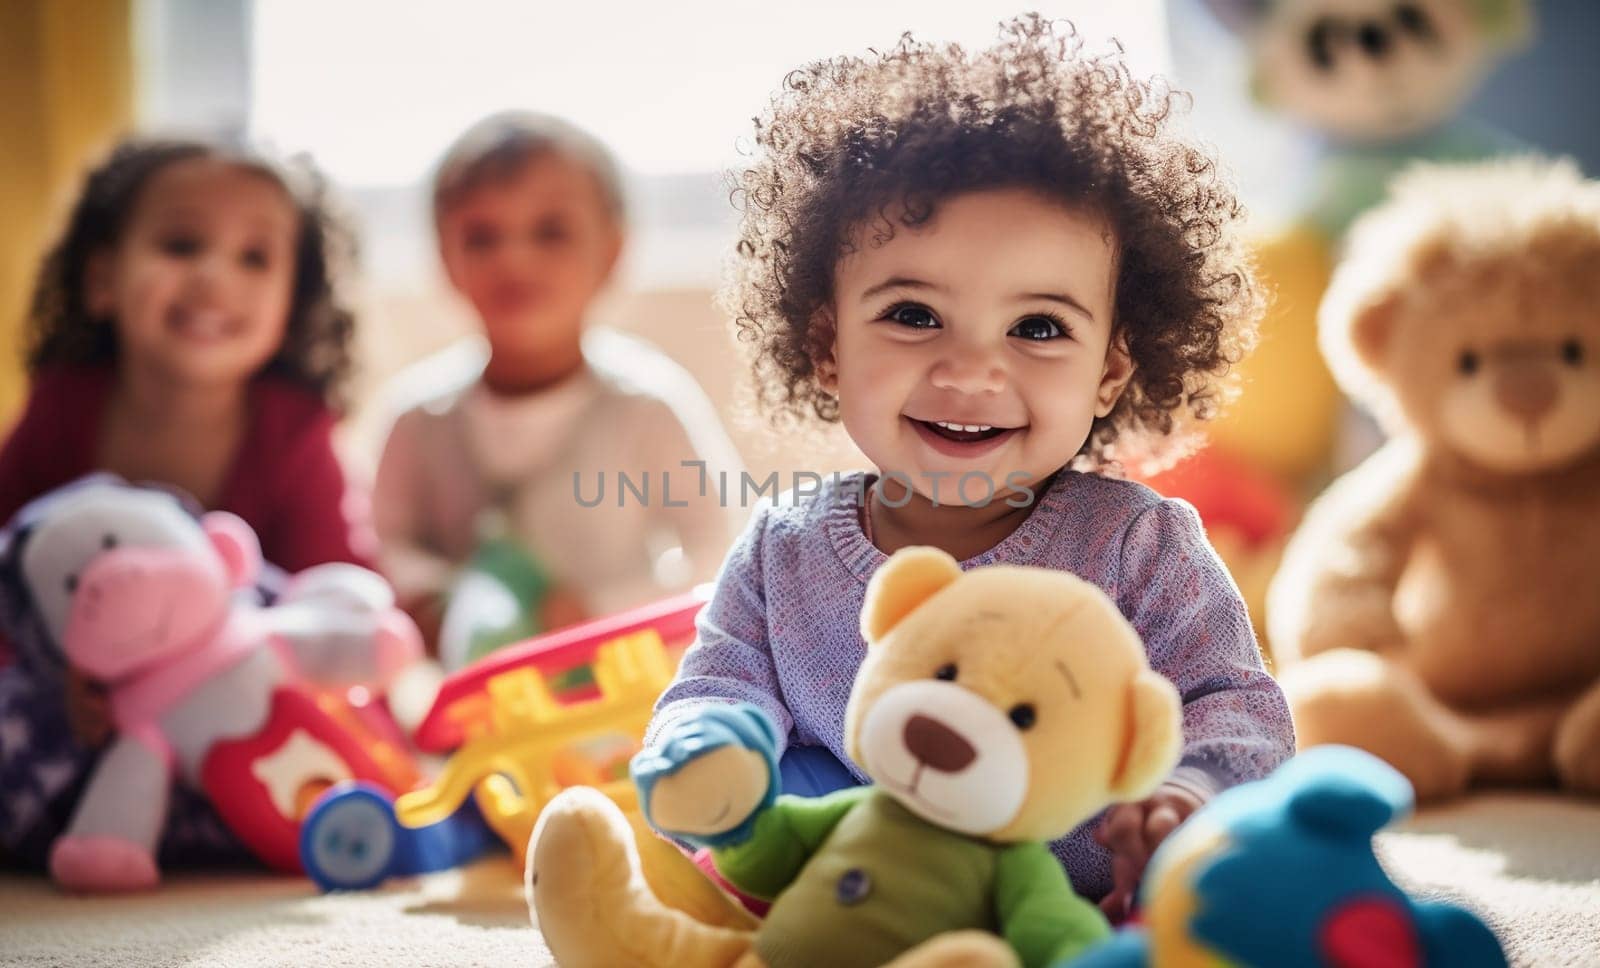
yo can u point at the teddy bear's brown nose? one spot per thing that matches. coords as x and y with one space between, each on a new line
1526 388
937 745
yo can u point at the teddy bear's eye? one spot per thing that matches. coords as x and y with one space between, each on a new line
947 672
1413 21
1571 352
71 583
1023 715
108 542
1319 43
1467 363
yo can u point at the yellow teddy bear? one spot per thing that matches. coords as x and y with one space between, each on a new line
996 710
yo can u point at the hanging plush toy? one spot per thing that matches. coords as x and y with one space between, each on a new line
1376 85
1282 872
138 595
996 709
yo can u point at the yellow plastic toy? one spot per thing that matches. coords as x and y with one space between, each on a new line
523 746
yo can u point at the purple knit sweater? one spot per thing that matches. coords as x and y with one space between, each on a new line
782 630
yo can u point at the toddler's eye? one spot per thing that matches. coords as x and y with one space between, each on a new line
914 316
1413 21
181 246
946 672
476 240
256 259
1572 352
1038 328
1467 363
550 232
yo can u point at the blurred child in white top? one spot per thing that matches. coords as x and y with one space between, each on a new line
501 437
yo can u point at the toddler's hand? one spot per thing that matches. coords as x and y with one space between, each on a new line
1133 831
709 774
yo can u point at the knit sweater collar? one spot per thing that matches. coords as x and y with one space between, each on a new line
843 498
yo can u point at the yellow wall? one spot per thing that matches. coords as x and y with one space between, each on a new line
66 89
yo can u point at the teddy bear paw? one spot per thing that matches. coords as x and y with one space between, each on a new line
959 949
102 864
1577 746
1354 698
582 881
709 775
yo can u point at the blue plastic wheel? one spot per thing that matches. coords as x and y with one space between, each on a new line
350 840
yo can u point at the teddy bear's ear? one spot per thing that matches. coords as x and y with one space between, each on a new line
910 577
1155 736
1372 327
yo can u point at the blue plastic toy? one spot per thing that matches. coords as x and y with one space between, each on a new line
351 840
1282 872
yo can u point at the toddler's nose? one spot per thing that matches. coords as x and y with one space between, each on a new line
208 276
972 371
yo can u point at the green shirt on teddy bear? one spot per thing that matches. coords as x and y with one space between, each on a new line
859 879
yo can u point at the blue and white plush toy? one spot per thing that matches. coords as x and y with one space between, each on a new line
1282 872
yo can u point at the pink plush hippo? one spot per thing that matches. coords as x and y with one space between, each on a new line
203 682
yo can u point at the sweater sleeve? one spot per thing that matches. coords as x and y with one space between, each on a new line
17 487
694 460
52 442
316 516
399 494
730 659
1197 631
19 459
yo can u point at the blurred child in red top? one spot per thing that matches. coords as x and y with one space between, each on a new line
187 329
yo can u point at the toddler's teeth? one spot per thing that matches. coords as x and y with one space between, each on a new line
964 428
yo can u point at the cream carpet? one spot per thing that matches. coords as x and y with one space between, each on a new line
1529 864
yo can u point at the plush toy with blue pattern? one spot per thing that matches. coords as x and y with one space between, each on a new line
1282 872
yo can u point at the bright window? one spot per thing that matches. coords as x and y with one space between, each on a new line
375 89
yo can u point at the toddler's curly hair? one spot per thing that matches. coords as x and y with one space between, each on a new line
851 139
318 345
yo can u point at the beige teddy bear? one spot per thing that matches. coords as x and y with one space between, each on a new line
996 709
1440 604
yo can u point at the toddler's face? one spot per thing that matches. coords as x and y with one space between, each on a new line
530 251
979 342
200 283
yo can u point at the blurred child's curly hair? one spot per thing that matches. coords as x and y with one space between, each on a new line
317 350
856 138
